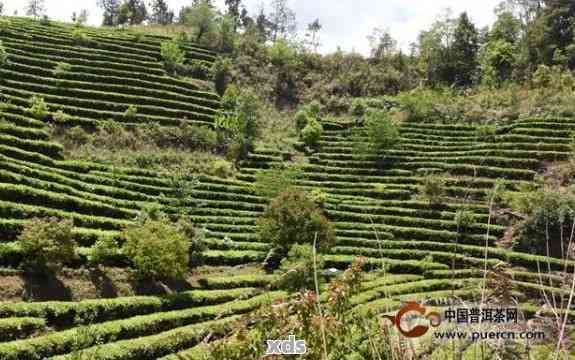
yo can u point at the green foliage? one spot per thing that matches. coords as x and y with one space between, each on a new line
550 218
301 118
172 55
3 55
464 219
271 182
47 244
486 132
131 112
38 107
201 18
432 188
312 132
221 74
239 118
62 69
222 168
104 250
299 269
81 38
293 218
282 54
381 130
157 249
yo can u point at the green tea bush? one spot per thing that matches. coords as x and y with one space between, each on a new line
298 269
312 132
47 244
271 182
157 249
294 218
486 132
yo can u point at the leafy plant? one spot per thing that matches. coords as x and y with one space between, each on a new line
298 269
157 249
293 218
131 112
62 69
103 250
47 244
172 55
381 129
433 189
311 133
38 107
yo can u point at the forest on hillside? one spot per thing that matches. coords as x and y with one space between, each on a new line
205 183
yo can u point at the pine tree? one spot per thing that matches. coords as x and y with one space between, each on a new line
282 19
234 11
464 51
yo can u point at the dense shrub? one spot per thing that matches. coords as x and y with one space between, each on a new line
381 130
293 218
47 244
311 133
38 107
550 218
221 75
104 250
222 168
157 249
299 269
172 55
432 188
239 118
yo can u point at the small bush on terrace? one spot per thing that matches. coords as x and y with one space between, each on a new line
61 69
172 55
298 269
432 188
47 244
294 218
383 132
38 107
157 249
311 133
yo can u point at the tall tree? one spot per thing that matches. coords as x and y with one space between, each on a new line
263 26
465 49
313 30
1 8
434 50
382 43
201 17
234 12
161 14
282 19
35 8
110 8
137 11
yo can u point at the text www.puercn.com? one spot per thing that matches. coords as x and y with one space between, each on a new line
489 335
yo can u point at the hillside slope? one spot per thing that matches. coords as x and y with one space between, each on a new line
373 202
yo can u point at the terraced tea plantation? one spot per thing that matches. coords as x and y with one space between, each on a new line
373 200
